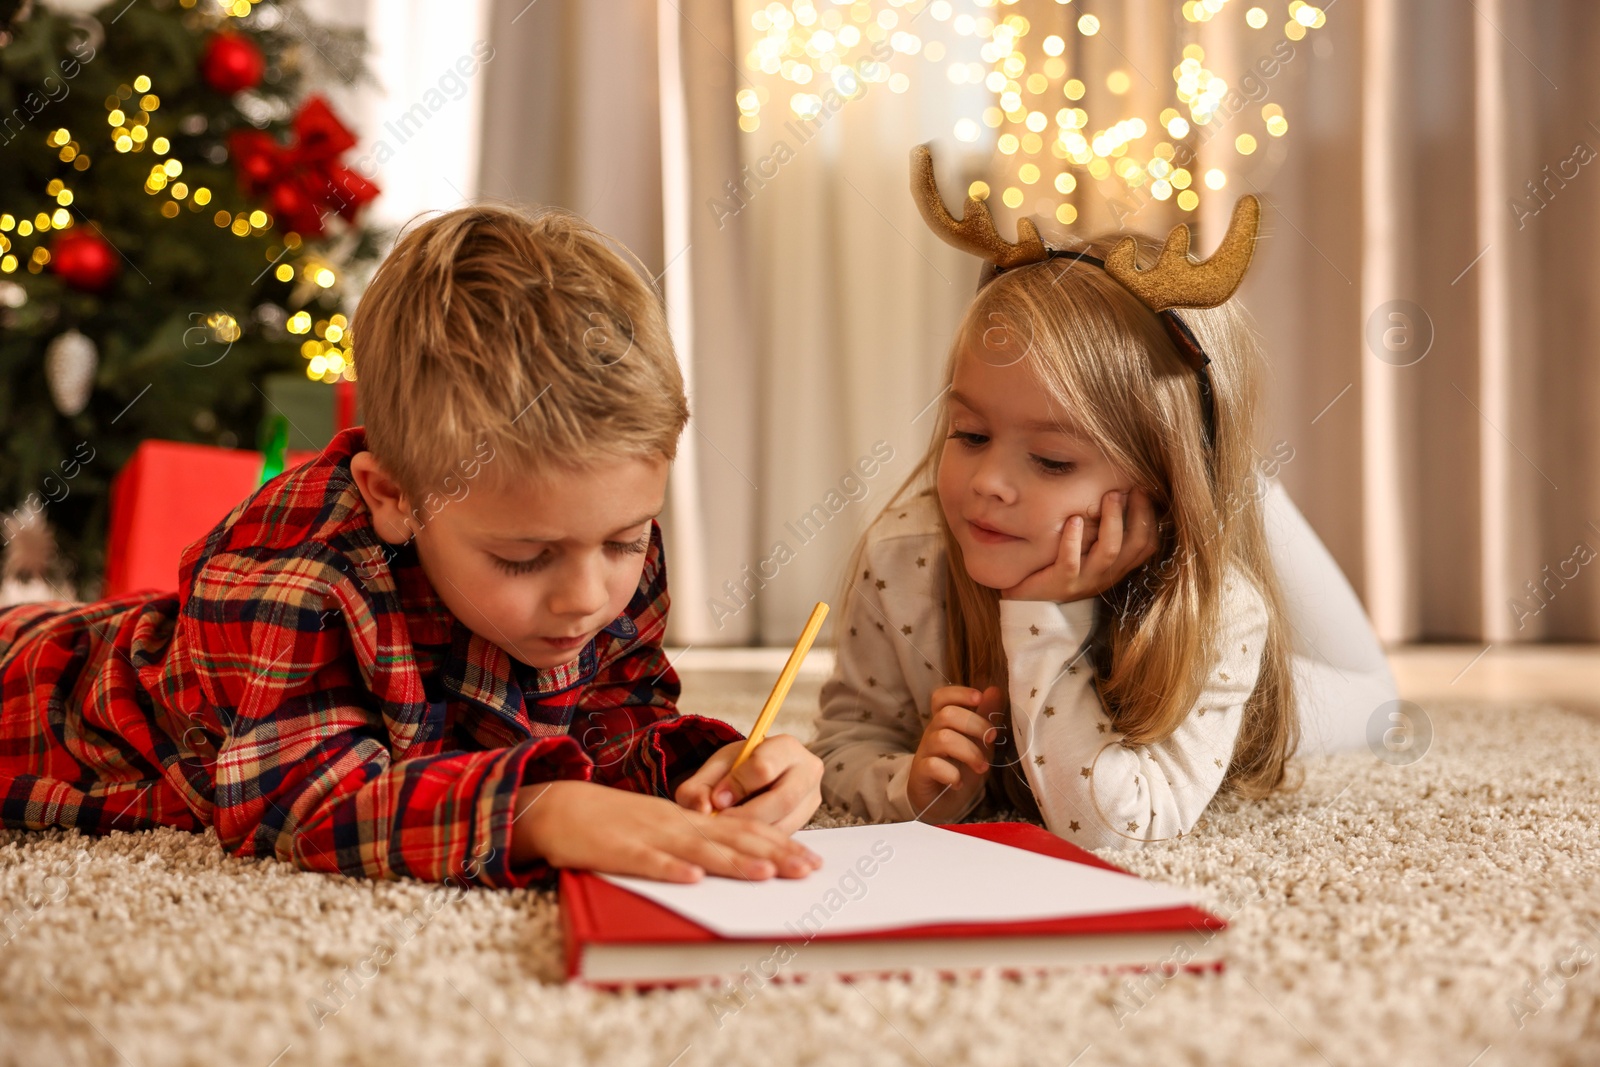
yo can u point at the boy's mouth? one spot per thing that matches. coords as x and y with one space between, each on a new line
566 644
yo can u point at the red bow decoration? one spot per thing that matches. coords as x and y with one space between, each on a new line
303 181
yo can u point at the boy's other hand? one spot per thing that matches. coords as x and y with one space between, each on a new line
598 828
780 784
952 761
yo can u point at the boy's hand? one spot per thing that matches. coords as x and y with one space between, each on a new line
952 761
1123 543
780 784
599 828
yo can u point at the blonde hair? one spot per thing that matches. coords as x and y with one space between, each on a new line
1104 357
525 331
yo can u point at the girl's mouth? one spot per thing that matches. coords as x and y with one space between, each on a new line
988 535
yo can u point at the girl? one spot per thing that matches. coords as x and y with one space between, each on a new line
1073 604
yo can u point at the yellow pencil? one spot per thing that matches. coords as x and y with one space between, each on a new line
781 689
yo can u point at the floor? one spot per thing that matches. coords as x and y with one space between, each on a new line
1442 912
1568 675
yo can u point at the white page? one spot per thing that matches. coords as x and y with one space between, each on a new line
894 875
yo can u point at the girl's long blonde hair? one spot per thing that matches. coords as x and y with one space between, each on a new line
1104 357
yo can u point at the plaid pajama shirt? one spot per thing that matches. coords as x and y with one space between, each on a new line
308 694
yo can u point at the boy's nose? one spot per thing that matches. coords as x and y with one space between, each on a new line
582 593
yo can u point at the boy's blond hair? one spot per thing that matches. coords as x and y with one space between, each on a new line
523 331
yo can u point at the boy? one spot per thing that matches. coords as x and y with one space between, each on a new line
435 650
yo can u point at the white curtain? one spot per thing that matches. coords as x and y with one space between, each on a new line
1436 169
419 117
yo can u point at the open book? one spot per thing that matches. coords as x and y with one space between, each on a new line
889 898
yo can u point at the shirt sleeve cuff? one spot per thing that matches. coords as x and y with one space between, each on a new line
548 759
1041 620
683 744
897 803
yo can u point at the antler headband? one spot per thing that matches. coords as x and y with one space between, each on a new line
1175 281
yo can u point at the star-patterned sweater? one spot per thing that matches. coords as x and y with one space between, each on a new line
1090 788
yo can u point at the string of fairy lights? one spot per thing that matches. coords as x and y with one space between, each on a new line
129 112
1046 137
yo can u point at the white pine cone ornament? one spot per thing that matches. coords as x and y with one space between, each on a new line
30 568
70 361
72 7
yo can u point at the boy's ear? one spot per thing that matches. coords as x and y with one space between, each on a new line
383 496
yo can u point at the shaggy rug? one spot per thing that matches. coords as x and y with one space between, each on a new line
1442 912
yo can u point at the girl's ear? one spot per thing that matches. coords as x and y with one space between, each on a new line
383 497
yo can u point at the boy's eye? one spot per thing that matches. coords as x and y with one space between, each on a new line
1054 466
971 440
631 547
525 566
522 566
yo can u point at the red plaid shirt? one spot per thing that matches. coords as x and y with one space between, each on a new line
309 695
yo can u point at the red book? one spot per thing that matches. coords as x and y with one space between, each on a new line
616 938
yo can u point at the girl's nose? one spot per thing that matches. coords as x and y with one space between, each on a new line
992 477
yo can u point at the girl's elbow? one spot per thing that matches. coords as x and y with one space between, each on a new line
1115 829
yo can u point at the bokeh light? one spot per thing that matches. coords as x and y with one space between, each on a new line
1063 104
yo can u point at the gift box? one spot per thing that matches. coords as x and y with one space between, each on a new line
314 411
168 496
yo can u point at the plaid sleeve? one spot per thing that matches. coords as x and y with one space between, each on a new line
306 772
629 725
627 720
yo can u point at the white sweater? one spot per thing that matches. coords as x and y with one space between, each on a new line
1091 789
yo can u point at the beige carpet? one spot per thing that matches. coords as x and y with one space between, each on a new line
1382 915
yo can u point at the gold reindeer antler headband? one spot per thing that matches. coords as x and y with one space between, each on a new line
1175 281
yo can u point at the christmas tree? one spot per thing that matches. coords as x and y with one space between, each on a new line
176 224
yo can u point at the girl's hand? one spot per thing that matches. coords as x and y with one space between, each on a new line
780 784
598 828
951 763
1125 541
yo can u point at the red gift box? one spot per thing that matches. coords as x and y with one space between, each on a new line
168 496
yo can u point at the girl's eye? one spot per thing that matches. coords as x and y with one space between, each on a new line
1054 466
971 440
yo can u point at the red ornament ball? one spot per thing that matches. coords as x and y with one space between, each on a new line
232 63
84 260
289 201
